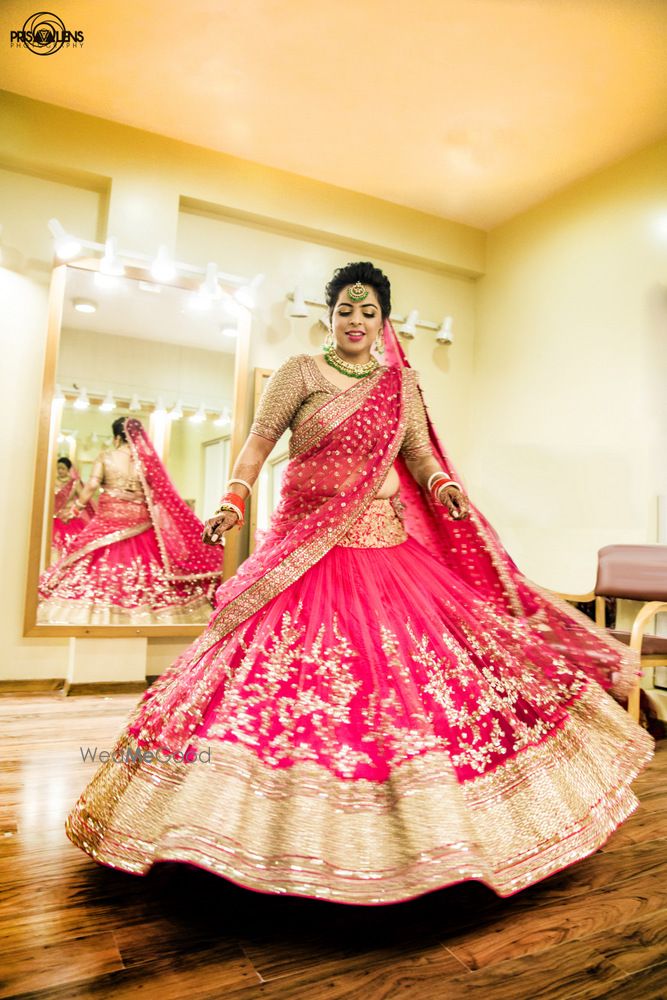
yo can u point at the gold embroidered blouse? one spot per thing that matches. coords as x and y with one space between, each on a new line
115 471
297 388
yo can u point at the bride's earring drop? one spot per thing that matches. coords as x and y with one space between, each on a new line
329 339
379 341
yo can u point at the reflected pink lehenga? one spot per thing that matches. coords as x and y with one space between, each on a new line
140 560
382 705
64 530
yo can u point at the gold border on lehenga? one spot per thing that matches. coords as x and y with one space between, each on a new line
90 613
304 831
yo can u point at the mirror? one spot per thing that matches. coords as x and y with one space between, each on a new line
122 550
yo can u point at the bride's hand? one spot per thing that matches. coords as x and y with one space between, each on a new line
455 501
217 525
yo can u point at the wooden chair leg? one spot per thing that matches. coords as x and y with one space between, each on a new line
600 611
633 702
646 614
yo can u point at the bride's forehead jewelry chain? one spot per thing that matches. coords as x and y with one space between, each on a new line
357 292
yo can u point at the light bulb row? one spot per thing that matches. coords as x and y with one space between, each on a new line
162 267
406 326
134 405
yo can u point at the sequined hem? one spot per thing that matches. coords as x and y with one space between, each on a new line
379 527
72 612
303 831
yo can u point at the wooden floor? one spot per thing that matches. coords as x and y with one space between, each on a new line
71 929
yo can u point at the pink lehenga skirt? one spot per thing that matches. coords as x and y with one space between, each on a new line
374 732
63 533
112 573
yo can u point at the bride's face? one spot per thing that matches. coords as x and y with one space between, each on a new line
356 324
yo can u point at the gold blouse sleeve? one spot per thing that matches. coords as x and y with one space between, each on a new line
416 442
96 477
282 396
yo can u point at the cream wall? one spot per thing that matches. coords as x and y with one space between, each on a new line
101 178
569 446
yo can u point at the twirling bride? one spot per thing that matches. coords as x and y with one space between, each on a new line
382 704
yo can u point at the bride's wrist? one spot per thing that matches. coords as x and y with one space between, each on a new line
442 490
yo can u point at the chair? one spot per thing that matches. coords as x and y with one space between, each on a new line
635 573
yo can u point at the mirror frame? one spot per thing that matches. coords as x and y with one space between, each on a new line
40 525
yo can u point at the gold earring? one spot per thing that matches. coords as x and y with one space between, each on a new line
379 341
329 339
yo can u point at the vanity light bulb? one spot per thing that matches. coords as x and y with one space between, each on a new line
110 265
108 405
246 294
210 287
65 246
444 334
199 417
163 268
223 420
409 328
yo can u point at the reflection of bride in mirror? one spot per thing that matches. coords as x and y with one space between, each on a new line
68 521
140 560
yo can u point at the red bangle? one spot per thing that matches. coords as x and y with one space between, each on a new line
234 498
437 485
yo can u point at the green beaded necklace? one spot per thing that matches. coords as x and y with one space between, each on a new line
346 367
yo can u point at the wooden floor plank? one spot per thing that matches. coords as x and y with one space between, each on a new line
533 930
32 968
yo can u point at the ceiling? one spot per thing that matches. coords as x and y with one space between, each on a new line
472 110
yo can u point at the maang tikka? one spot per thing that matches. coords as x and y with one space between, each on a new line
357 292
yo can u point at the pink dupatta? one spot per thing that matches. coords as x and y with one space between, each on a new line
177 528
